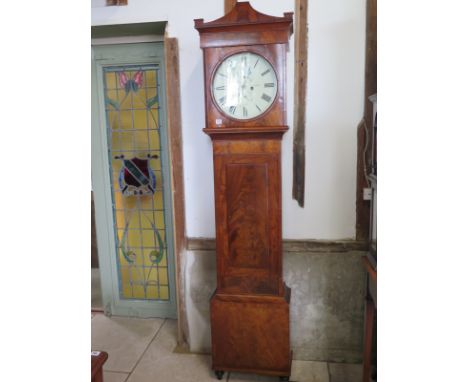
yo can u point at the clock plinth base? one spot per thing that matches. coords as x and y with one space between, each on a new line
250 333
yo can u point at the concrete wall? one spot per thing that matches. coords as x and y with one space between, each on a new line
327 303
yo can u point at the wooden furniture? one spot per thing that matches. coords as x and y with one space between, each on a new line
370 260
98 358
245 76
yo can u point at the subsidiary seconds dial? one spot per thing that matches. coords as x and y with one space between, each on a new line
244 85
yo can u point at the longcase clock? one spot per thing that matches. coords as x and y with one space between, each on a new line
245 77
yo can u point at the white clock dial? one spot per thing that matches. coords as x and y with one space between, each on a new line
244 85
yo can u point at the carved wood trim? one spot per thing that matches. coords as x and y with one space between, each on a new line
316 246
300 93
174 123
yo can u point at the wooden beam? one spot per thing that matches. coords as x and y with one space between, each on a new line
363 153
116 2
300 90
174 123
228 5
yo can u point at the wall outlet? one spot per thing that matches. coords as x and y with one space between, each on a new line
367 193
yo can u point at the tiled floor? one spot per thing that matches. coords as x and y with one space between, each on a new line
141 350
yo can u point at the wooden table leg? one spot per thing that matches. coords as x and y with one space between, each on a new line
368 330
97 361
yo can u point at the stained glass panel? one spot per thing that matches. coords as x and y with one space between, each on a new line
132 117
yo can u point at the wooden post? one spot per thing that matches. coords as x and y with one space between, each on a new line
363 206
368 330
228 5
300 90
174 123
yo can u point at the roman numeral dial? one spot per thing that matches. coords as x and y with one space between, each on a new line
244 85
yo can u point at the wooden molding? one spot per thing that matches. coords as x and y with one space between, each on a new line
363 206
300 92
240 27
174 123
317 246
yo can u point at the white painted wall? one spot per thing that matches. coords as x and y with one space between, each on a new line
334 108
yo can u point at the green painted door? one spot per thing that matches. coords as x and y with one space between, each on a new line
131 180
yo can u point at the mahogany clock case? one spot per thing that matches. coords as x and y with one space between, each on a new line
250 306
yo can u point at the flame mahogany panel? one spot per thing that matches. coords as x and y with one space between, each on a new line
255 334
248 215
247 227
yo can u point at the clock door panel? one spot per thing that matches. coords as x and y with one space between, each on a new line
247 186
248 220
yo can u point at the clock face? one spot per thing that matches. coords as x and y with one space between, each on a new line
244 85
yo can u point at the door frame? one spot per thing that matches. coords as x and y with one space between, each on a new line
123 54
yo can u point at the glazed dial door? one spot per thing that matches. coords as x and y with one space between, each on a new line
244 86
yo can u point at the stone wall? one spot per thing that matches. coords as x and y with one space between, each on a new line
327 302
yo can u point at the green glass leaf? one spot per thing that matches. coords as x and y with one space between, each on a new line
113 103
157 255
126 254
151 102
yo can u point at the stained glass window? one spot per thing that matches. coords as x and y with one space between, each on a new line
132 117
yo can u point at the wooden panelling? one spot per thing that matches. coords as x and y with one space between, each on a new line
171 52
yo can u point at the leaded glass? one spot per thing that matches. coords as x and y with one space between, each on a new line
132 117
